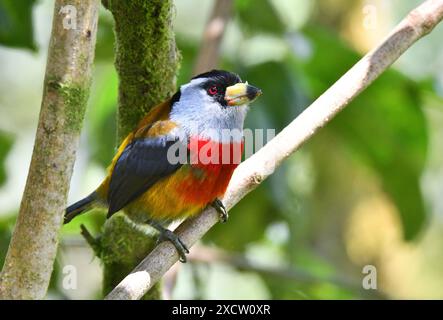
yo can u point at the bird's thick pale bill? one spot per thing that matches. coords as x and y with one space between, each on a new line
241 94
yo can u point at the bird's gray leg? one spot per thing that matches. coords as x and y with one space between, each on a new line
168 235
218 205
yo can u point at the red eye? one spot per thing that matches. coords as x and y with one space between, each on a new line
213 90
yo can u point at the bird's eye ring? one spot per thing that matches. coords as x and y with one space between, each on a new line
213 90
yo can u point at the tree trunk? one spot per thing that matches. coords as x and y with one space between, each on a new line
146 62
30 258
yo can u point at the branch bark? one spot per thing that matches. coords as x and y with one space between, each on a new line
209 52
29 261
146 61
253 171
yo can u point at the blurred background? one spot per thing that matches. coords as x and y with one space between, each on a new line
366 190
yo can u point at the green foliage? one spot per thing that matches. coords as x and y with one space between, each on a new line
284 98
247 222
258 16
188 52
16 24
6 142
385 126
384 129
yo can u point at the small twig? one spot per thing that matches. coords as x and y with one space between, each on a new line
254 170
93 242
209 52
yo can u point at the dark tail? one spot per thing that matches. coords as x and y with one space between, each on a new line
79 207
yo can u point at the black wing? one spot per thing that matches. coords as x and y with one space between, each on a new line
143 162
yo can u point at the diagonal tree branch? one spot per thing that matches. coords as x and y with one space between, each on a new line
31 253
253 171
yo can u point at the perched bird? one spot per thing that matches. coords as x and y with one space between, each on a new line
147 178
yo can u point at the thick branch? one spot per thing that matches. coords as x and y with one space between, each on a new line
146 57
254 170
146 62
209 52
31 254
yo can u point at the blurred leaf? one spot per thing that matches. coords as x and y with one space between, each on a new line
103 148
394 142
328 59
247 222
189 52
309 273
384 126
16 24
104 48
282 98
6 142
259 16
102 114
306 289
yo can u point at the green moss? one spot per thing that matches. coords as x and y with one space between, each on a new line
123 245
146 57
75 99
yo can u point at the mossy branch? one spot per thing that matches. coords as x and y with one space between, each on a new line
146 61
146 57
30 258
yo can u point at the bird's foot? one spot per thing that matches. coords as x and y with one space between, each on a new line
218 205
168 235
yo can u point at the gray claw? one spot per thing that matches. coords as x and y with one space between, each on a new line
221 209
182 250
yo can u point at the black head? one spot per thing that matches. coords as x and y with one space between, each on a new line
217 82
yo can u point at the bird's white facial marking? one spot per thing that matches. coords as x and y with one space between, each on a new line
199 115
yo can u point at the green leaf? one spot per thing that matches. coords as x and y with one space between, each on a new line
259 16
385 126
16 24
